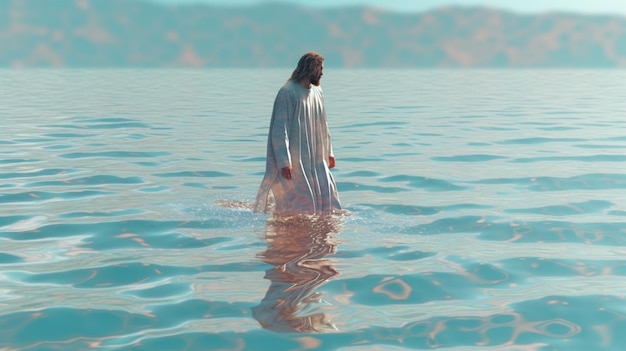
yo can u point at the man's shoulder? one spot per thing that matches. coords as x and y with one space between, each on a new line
288 90
290 84
287 87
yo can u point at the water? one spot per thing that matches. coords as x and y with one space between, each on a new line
487 212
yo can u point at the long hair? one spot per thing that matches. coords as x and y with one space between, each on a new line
307 64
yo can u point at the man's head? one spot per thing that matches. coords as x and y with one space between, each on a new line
310 68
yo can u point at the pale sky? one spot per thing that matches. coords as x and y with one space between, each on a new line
611 7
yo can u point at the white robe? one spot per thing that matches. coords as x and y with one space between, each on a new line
298 136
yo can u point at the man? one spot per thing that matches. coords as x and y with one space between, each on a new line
299 152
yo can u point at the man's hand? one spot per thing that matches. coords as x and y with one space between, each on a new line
286 172
331 162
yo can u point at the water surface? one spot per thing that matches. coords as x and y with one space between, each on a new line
487 212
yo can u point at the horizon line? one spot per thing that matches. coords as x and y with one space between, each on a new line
185 3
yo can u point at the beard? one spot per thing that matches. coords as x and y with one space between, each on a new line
315 79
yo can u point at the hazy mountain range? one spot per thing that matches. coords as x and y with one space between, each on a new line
130 33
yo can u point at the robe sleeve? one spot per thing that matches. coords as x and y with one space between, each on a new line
329 145
279 132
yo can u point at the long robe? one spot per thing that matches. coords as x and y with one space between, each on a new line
298 136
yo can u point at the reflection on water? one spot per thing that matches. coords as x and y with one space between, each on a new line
297 249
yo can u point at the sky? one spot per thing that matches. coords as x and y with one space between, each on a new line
611 7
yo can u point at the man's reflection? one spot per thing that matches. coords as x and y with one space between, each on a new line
296 249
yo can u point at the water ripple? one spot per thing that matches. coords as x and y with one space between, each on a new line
114 154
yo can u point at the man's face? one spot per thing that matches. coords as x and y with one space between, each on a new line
317 75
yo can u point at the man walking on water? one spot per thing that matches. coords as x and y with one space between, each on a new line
299 151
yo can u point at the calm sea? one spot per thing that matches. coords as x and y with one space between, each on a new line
487 211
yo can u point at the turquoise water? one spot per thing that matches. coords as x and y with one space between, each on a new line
487 212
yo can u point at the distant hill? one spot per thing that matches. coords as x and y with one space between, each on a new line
129 33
